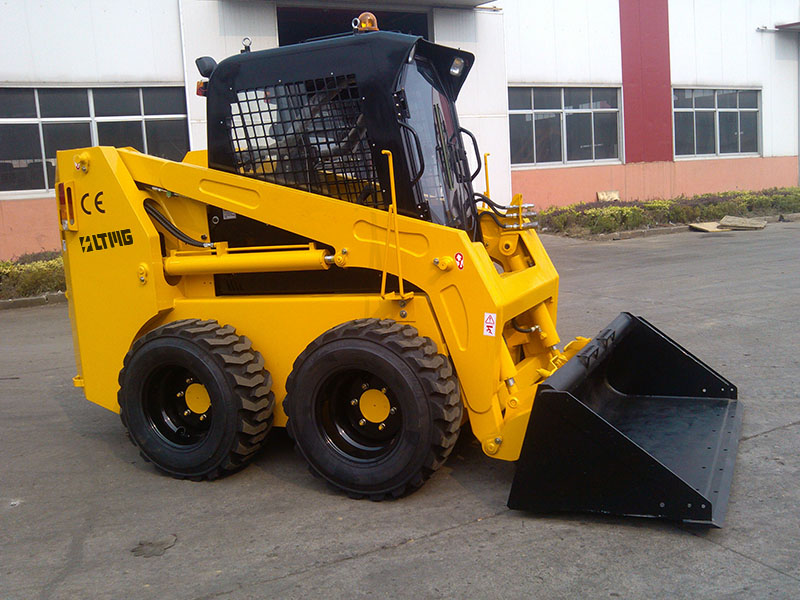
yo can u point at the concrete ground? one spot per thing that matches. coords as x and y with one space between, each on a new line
80 511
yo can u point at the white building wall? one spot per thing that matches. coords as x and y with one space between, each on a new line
716 43
557 42
90 42
216 28
483 101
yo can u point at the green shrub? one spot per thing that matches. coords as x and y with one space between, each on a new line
608 217
32 257
682 213
757 203
657 212
633 217
717 210
20 280
613 218
787 203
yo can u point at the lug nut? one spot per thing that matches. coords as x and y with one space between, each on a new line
354 401
203 417
383 390
187 412
393 410
362 422
188 381
382 426
364 386
179 394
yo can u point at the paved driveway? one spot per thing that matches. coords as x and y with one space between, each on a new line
76 500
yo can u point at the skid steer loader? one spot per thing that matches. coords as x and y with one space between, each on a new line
326 266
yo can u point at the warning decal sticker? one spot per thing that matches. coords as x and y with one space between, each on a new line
489 324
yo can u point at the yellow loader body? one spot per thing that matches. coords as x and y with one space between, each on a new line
461 284
327 267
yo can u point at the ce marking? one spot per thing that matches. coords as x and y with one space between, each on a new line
98 204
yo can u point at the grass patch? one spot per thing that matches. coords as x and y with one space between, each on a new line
32 275
610 217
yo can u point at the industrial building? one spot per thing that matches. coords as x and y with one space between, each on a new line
650 98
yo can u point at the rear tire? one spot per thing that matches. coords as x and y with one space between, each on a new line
195 399
373 408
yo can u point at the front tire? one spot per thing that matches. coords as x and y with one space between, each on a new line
195 399
373 407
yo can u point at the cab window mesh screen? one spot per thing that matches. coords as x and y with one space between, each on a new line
308 135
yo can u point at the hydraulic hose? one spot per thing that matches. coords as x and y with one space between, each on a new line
496 208
159 218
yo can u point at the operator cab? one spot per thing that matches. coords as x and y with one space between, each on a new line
316 116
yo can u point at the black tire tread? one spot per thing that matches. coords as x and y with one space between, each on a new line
434 371
251 384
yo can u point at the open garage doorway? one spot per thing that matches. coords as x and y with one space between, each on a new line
298 24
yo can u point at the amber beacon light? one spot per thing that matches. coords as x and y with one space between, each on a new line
366 21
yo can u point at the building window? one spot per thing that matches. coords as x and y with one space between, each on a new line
36 123
716 122
563 125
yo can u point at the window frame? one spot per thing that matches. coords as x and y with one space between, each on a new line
717 110
91 119
563 112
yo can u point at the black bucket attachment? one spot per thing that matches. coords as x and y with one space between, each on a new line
632 425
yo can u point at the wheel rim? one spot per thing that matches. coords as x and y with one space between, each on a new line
359 415
173 401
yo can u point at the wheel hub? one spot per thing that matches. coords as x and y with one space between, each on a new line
177 406
197 398
374 406
359 416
